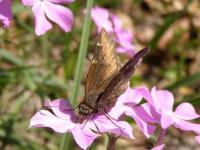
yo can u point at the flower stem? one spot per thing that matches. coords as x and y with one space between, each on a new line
161 137
82 52
65 143
111 142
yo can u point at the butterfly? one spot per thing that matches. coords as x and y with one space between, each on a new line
107 79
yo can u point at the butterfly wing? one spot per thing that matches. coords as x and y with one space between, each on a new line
105 65
119 83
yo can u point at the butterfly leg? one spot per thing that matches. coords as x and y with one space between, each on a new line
97 127
111 119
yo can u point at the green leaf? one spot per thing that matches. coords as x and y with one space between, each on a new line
188 80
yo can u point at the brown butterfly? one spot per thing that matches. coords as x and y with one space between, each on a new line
106 79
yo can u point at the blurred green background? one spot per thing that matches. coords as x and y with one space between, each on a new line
35 68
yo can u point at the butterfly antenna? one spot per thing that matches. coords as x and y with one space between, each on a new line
51 116
64 108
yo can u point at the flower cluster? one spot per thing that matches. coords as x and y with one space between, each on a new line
155 113
112 23
159 111
41 9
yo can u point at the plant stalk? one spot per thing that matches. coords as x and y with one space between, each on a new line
65 143
111 142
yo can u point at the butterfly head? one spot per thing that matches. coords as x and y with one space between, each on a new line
84 111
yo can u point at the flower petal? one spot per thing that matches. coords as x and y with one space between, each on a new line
29 2
117 24
61 1
120 128
101 18
61 108
44 118
117 111
187 126
60 15
146 94
160 147
163 99
198 139
147 113
42 25
123 50
125 37
5 12
166 121
186 111
146 128
83 138
129 96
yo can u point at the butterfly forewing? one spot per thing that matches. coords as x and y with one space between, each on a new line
105 65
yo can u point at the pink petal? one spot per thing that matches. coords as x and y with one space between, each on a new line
166 121
83 138
187 126
117 24
60 15
122 50
125 129
61 1
5 22
44 118
101 18
186 111
42 25
146 128
129 96
29 2
163 99
146 94
120 128
5 12
125 38
198 139
147 113
61 108
117 111
160 147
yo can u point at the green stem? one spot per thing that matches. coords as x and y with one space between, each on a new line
80 62
112 142
82 52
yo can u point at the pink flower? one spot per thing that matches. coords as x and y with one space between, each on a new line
162 102
54 12
124 105
113 24
5 12
62 119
